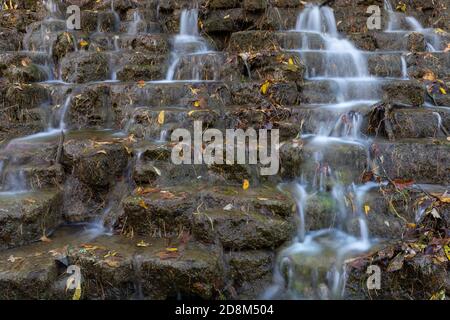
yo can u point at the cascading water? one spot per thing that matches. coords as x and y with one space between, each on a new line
339 62
313 266
398 22
191 56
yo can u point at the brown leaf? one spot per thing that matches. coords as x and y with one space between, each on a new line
403 183
396 263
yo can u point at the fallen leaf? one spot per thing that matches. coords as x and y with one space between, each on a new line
447 251
83 43
45 239
142 243
245 184
430 76
25 62
442 90
403 183
265 87
141 83
366 209
142 204
110 254
401 7
438 295
396 263
77 293
161 117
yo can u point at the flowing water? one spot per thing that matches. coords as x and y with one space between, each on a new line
313 266
191 57
399 22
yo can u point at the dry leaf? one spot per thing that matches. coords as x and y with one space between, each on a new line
141 83
245 184
45 239
142 243
161 117
265 87
83 43
142 204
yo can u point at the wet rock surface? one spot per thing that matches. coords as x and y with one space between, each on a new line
101 104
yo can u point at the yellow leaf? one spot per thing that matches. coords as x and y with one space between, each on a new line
430 76
83 43
401 7
440 295
439 31
291 61
142 204
101 152
77 293
265 86
142 243
447 251
442 90
161 118
110 254
197 104
172 249
366 209
245 184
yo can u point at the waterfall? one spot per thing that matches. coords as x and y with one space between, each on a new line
191 47
63 112
404 68
341 62
134 25
313 266
397 20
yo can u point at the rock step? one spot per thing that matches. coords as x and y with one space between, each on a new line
406 122
241 230
390 215
323 91
422 160
256 40
100 104
112 267
28 216
167 210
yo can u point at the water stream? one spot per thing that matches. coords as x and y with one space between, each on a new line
399 22
313 266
